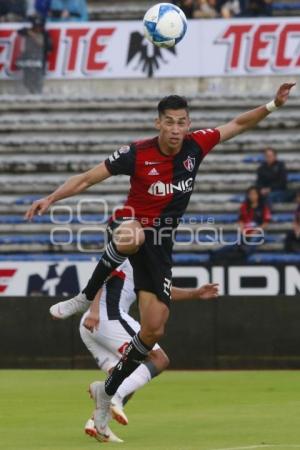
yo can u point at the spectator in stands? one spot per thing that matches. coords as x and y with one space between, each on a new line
12 10
32 61
292 240
228 8
257 8
254 212
272 178
205 9
187 7
68 10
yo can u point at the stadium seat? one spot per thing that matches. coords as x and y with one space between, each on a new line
53 138
274 257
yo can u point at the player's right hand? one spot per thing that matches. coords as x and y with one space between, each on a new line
38 207
91 322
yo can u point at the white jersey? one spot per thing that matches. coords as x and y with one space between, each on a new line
117 328
118 293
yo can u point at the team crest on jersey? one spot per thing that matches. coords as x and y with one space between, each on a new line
189 163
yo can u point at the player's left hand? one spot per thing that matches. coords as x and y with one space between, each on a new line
91 322
283 93
208 291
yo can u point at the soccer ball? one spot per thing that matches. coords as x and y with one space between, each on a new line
164 24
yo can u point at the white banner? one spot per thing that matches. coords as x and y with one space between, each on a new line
68 278
239 47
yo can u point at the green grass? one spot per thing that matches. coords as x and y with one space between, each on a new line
46 410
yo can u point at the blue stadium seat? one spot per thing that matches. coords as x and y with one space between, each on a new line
178 258
97 219
27 199
278 6
274 257
238 198
294 176
253 159
282 217
52 257
60 219
211 218
44 238
190 258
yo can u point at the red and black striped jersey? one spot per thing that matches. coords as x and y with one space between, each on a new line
160 185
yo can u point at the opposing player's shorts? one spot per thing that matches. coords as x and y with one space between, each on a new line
108 343
152 264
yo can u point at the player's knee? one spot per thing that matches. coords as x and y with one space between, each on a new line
129 237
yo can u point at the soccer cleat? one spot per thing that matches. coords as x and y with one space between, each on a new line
106 436
102 409
90 429
76 305
116 410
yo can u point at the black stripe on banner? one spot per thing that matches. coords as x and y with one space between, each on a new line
127 327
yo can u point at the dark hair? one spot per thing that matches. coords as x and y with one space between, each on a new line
172 102
261 200
271 149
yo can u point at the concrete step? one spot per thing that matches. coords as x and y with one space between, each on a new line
120 10
62 142
73 247
47 103
216 163
69 121
205 182
30 228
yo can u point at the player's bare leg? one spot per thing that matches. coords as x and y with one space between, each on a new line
127 238
154 315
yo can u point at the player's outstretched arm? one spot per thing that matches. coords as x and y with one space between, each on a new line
251 118
205 292
72 186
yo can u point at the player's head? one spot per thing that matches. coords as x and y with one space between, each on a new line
173 121
174 102
270 155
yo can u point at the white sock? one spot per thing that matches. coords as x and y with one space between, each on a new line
135 381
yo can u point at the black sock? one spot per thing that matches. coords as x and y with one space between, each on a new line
110 260
134 355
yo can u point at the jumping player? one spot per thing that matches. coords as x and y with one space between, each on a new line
162 171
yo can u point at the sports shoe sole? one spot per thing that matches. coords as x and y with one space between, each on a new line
118 415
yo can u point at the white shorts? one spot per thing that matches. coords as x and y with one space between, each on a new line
108 343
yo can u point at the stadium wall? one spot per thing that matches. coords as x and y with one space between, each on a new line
215 86
229 333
